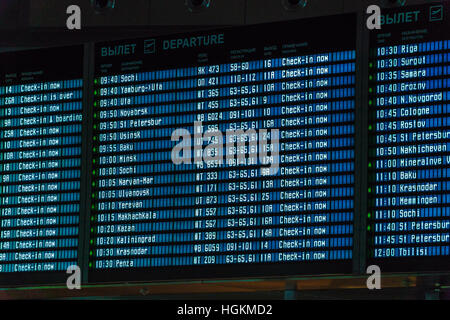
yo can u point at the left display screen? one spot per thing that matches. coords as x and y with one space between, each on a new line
40 163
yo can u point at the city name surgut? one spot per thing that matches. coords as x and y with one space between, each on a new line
235 145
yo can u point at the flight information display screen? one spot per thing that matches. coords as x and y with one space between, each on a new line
225 153
40 163
409 163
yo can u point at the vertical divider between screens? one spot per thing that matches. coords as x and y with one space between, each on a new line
361 143
86 180
357 157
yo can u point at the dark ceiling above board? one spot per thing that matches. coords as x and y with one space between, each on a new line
38 14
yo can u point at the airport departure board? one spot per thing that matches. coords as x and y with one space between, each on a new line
40 163
409 163
225 153
229 153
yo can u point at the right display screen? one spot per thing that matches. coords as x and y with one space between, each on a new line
408 220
